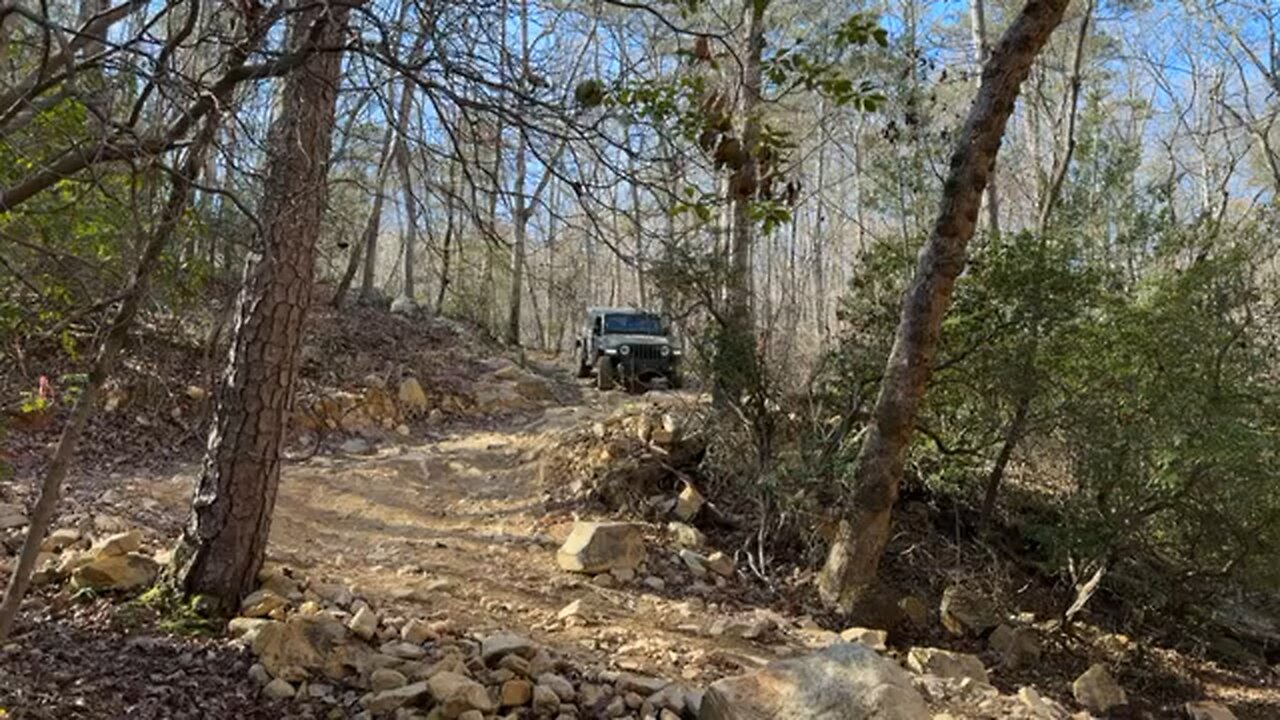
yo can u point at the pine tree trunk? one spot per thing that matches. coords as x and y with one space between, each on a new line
223 544
861 537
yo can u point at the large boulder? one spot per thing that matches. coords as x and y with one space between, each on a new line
1097 691
967 612
1018 647
290 650
129 571
595 547
844 682
947 664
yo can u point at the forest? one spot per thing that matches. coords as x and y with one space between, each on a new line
975 307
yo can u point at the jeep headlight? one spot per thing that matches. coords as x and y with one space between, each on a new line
624 350
665 351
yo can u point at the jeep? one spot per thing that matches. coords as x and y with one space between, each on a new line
627 346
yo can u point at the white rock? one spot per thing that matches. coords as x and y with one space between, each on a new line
1097 691
279 690
364 623
843 682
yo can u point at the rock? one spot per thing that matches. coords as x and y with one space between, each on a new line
535 388
355 446
966 612
670 698
118 544
333 593
498 398
60 539
947 664
404 305
416 631
278 581
623 575
515 693
559 685
1206 710
689 503
403 650
386 679
1037 706
245 627
1097 691
403 430
458 693
720 564
640 684
515 664
545 700
261 604
364 623
874 639
594 547
290 649
259 674
12 515
694 561
116 572
389 700
495 647
573 609
685 535
655 583
411 396
915 610
468 715
842 682
1018 647
278 690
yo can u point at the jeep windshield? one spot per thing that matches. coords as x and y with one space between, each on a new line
633 324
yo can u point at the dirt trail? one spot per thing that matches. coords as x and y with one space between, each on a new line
457 527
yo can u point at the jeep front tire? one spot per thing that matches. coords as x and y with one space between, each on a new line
604 373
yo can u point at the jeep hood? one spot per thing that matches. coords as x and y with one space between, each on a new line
616 339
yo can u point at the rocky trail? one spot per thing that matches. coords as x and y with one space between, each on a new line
436 570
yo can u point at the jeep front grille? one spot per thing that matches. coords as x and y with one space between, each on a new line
646 352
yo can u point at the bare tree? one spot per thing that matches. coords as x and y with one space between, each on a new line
861 537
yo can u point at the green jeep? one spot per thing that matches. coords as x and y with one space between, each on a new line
627 346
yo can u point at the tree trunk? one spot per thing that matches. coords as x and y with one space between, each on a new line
978 26
1013 435
522 212
451 226
736 346
819 259
861 537
223 544
372 225
408 297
